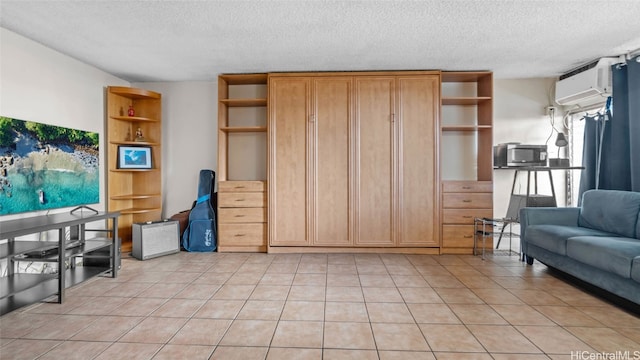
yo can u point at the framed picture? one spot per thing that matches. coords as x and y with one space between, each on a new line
134 157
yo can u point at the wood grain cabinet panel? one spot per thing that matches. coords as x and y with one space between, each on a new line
467 186
467 200
464 216
244 234
375 143
457 236
289 204
331 130
241 199
241 186
418 102
242 215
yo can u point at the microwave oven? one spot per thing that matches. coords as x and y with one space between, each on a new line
516 154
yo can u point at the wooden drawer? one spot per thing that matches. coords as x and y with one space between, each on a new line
457 236
464 216
467 186
242 234
241 199
241 186
467 200
242 215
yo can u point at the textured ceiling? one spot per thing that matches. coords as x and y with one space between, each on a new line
197 40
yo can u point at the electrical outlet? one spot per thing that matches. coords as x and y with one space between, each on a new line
550 110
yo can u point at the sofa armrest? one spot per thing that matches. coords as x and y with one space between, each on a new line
547 216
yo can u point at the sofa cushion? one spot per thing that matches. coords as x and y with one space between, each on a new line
635 269
554 237
613 254
611 210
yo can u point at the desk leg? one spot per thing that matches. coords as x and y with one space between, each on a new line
553 191
515 179
62 270
11 262
116 252
528 186
484 236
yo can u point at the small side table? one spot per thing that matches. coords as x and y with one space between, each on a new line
484 228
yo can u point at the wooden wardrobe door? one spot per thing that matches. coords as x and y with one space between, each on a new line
375 177
332 130
418 102
288 147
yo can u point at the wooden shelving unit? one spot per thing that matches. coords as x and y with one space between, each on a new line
135 193
242 125
466 156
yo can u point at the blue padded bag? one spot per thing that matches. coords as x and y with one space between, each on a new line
200 234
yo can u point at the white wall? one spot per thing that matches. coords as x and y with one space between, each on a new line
519 115
189 138
42 85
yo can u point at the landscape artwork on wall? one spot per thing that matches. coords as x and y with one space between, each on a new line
46 166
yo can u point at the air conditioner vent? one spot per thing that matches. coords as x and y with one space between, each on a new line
588 84
579 70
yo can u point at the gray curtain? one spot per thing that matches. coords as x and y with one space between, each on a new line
592 145
612 139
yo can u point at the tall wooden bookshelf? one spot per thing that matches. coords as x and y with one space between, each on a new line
136 193
242 149
466 157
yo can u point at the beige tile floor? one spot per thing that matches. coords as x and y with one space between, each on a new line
323 306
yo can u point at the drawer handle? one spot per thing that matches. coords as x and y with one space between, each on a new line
239 187
468 236
239 215
466 200
239 235
466 187
239 199
467 216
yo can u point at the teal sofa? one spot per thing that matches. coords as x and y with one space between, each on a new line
598 243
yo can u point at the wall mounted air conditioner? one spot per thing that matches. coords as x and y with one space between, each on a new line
586 85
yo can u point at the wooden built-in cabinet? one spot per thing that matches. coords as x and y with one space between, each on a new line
466 160
352 160
357 161
242 154
135 193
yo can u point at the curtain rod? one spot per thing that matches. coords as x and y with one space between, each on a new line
623 58
586 108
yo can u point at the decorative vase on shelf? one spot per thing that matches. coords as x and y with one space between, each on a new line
131 111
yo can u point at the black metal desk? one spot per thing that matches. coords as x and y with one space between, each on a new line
532 199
